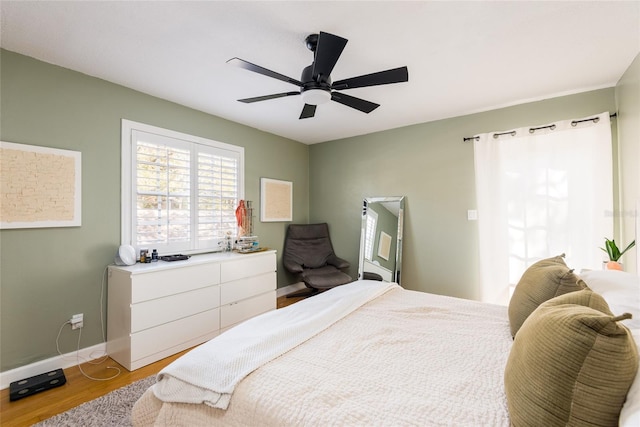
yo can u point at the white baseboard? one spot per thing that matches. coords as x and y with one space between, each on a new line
58 362
290 289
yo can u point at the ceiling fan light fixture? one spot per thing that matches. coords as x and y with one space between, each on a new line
316 96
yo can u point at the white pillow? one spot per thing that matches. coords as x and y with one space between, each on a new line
630 413
621 290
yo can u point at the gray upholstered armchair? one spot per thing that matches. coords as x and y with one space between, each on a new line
309 255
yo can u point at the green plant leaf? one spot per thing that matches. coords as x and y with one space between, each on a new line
632 244
615 251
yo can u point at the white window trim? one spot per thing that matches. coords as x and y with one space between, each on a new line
128 155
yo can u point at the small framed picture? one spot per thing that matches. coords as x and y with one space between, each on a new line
276 200
384 246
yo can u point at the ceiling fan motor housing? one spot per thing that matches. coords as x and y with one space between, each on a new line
315 92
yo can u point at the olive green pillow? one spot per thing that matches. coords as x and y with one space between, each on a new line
571 363
546 279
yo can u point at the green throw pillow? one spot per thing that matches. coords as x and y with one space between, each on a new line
546 279
571 364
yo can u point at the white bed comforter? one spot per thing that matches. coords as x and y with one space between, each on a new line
404 359
209 373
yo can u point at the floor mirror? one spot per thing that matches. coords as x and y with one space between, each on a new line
381 238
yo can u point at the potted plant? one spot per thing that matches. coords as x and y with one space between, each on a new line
614 254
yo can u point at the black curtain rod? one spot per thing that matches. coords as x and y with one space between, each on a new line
532 130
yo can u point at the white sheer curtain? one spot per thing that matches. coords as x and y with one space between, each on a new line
542 192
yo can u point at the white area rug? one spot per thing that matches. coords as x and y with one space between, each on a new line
113 409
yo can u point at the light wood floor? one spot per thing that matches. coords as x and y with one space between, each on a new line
79 389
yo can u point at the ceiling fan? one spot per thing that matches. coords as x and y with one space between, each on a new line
315 83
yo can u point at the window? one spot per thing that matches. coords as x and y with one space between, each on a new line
179 192
370 231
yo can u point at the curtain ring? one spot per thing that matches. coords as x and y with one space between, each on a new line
496 135
574 123
552 127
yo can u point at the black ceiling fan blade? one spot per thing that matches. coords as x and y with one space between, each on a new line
261 70
395 75
308 111
327 52
267 97
353 102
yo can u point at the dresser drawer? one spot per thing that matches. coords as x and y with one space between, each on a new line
166 282
156 312
245 288
250 266
231 314
154 340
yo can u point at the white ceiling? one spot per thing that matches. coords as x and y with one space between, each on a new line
463 57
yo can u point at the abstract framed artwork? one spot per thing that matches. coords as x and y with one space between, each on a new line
39 186
276 200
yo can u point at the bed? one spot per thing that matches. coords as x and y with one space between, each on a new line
367 353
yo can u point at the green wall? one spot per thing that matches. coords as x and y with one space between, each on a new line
628 101
431 165
47 275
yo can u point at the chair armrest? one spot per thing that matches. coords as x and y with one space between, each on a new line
293 267
338 262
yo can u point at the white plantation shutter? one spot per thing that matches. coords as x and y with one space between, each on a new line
217 196
182 192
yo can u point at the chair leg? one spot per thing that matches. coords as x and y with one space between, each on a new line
303 293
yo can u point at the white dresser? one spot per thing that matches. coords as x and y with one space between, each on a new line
158 309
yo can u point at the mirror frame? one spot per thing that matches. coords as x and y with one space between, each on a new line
395 274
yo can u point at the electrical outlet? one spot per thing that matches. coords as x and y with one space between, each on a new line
77 321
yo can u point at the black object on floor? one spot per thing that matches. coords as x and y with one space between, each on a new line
32 385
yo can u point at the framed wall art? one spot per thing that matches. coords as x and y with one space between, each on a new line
276 200
39 186
384 246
